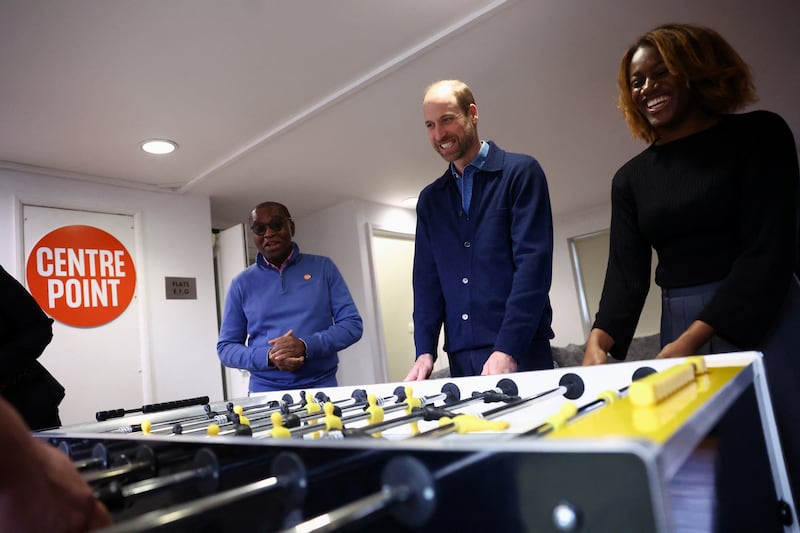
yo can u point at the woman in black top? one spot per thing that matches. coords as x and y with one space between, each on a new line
716 195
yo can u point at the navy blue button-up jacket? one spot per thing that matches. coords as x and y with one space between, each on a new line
485 274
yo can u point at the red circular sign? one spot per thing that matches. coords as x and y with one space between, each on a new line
81 275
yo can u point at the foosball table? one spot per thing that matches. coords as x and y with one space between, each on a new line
568 449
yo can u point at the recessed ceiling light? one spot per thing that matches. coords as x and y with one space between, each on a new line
410 202
159 146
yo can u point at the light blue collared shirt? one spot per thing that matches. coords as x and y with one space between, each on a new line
465 182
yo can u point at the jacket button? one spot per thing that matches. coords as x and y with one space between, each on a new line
465 316
464 280
467 244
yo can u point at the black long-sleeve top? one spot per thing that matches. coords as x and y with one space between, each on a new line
719 205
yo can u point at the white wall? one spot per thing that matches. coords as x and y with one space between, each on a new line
341 233
393 259
173 238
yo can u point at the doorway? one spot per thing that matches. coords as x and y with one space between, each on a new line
107 362
392 265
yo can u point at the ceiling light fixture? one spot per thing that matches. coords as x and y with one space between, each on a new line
158 146
410 202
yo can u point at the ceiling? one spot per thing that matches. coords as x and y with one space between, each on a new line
314 102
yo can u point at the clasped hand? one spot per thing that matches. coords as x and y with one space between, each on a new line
287 352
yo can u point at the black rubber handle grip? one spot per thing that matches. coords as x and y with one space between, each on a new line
151 408
166 406
105 415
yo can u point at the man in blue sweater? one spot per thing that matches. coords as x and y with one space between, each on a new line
286 316
484 249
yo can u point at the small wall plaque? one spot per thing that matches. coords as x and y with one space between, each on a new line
181 288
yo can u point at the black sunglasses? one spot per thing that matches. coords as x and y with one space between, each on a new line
276 226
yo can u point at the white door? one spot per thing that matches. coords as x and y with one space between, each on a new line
392 263
231 258
101 367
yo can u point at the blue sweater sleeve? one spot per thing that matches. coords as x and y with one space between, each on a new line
347 326
231 346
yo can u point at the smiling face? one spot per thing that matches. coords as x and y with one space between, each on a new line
662 98
453 133
276 228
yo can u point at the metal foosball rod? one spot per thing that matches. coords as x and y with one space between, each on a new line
261 422
648 387
315 423
571 386
406 489
288 407
418 409
75 450
102 455
570 412
307 423
357 398
407 493
310 410
240 424
288 474
205 472
450 396
195 423
329 422
116 495
254 416
201 426
273 422
168 426
245 421
230 422
266 422
151 408
290 426
426 410
143 462
357 401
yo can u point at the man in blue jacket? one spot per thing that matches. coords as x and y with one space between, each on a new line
484 249
287 315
